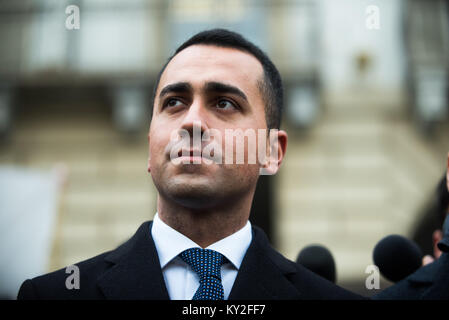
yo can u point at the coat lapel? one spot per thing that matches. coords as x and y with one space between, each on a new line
262 274
136 273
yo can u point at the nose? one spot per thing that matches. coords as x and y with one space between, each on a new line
196 118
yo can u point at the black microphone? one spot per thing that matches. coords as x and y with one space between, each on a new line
397 257
319 260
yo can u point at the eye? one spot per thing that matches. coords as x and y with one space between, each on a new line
172 102
224 104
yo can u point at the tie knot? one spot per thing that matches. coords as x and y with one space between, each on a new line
204 262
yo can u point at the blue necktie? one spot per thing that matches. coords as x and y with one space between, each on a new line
207 264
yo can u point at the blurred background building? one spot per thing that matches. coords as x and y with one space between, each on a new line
366 112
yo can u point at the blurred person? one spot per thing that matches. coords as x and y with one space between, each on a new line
431 218
201 244
430 282
438 235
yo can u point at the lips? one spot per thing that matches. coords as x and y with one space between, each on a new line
194 154
175 150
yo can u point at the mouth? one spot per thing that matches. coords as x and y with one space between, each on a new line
188 154
195 156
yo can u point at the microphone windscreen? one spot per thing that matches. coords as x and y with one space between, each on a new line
397 257
319 260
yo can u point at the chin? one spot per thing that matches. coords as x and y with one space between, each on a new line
191 185
196 196
202 194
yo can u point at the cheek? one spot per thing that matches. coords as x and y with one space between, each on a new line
156 143
156 150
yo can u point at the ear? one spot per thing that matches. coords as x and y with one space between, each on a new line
277 146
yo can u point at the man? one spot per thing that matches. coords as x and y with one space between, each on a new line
438 239
430 282
201 244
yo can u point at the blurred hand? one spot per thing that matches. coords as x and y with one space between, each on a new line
427 259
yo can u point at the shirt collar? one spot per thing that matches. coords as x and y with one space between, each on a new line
170 243
234 247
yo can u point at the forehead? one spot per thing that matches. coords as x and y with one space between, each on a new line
201 63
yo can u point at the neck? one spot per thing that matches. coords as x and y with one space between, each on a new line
205 226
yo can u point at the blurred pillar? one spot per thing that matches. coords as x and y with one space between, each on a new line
430 93
303 105
5 110
130 107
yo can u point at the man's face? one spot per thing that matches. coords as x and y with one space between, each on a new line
217 87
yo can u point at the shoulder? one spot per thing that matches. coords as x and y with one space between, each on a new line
62 283
310 285
415 286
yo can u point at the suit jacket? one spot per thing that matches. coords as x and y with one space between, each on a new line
132 271
430 282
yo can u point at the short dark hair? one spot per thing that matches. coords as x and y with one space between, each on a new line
270 86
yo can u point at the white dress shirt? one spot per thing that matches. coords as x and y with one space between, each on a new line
181 281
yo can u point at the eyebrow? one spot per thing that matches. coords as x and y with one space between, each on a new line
224 88
179 87
213 86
